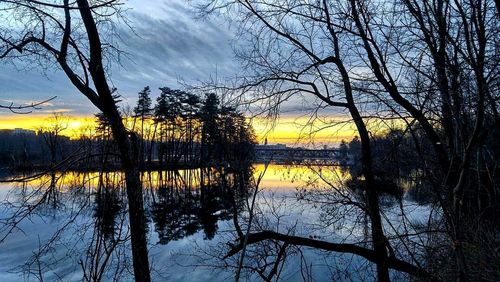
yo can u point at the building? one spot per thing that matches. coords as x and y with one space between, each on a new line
21 131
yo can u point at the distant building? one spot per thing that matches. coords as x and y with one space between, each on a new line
21 147
21 131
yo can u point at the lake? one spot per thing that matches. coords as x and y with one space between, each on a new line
66 226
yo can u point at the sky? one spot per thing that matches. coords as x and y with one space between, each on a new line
167 46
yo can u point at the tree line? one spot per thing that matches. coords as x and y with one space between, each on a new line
179 130
182 128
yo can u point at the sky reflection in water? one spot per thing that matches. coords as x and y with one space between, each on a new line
187 224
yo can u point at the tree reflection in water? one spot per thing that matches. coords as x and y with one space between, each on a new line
192 200
108 204
179 203
91 209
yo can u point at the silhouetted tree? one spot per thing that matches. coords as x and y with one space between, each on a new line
144 111
69 35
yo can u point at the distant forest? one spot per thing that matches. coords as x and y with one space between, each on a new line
180 129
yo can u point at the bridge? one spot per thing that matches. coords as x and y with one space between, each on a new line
283 154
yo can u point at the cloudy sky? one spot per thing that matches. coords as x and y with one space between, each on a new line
168 44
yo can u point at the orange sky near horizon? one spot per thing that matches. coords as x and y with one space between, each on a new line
76 124
286 130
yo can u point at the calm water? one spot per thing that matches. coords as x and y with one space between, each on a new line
71 224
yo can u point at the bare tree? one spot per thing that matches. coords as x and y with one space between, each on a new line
310 61
459 38
69 34
432 66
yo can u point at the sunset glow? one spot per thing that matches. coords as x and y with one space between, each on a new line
287 130
76 125
299 130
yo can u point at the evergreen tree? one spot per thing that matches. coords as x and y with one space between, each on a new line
210 131
143 107
161 107
143 110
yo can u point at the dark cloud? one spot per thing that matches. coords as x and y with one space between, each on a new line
167 44
163 50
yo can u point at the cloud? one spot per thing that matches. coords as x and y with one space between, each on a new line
164 50
166 45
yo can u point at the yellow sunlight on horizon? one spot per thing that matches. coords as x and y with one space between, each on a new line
286 130
76 125
300 130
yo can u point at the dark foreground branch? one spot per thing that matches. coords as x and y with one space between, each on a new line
392 262
25 109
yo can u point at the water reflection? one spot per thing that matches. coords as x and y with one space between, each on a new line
108 203
178 203
191 200
195 202
182 202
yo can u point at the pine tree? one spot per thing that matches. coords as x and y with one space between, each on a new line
143 110
143 107
209 115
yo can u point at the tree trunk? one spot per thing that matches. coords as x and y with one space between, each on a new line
126 142
377 232
129 153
